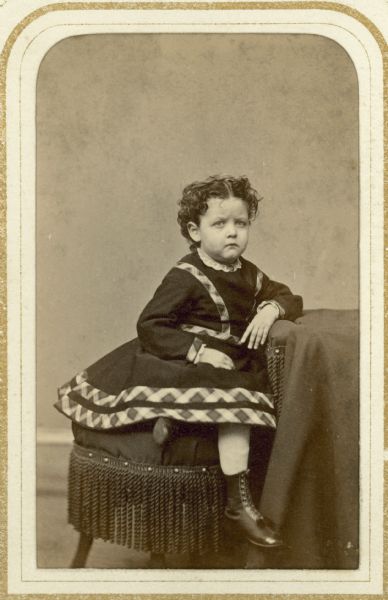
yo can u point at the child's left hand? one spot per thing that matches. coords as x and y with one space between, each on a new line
259 327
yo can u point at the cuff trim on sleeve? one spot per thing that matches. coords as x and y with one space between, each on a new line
281 310
195 350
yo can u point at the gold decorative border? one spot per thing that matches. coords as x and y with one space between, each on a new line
4 57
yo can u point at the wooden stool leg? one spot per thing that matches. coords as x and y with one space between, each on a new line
84 544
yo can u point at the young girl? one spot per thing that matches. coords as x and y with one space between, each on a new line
199 354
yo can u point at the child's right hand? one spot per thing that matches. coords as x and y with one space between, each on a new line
218 359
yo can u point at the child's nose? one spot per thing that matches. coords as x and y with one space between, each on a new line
232 230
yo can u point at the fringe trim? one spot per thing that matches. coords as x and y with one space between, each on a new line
161 509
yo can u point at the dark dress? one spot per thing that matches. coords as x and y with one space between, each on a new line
155 374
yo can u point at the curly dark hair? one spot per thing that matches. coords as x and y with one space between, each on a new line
194 199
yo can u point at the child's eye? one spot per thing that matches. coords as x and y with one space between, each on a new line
219 223
241 223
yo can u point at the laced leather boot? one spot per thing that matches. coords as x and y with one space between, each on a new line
241 516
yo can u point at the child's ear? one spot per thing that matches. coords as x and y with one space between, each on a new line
193 230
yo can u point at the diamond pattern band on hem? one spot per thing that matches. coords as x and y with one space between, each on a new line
91 407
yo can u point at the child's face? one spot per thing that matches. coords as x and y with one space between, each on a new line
223 230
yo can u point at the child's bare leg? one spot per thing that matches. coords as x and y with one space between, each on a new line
233 447
241 514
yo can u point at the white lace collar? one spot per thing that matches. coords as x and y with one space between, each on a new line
217 266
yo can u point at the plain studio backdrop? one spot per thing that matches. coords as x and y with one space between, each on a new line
124 121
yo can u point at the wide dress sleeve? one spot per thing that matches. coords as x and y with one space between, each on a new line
158 325
267 289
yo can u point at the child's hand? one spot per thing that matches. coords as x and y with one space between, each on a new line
216 358
259 327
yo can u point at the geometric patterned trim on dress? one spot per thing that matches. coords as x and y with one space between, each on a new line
215 296
259 281
93 408
207 331
195 347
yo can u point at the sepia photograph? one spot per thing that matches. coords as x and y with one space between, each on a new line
195 301
197 245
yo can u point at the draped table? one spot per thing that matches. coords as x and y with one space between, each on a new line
311 488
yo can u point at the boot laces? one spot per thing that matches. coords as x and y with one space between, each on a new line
248 501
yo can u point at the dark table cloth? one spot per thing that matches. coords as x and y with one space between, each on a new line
312 483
